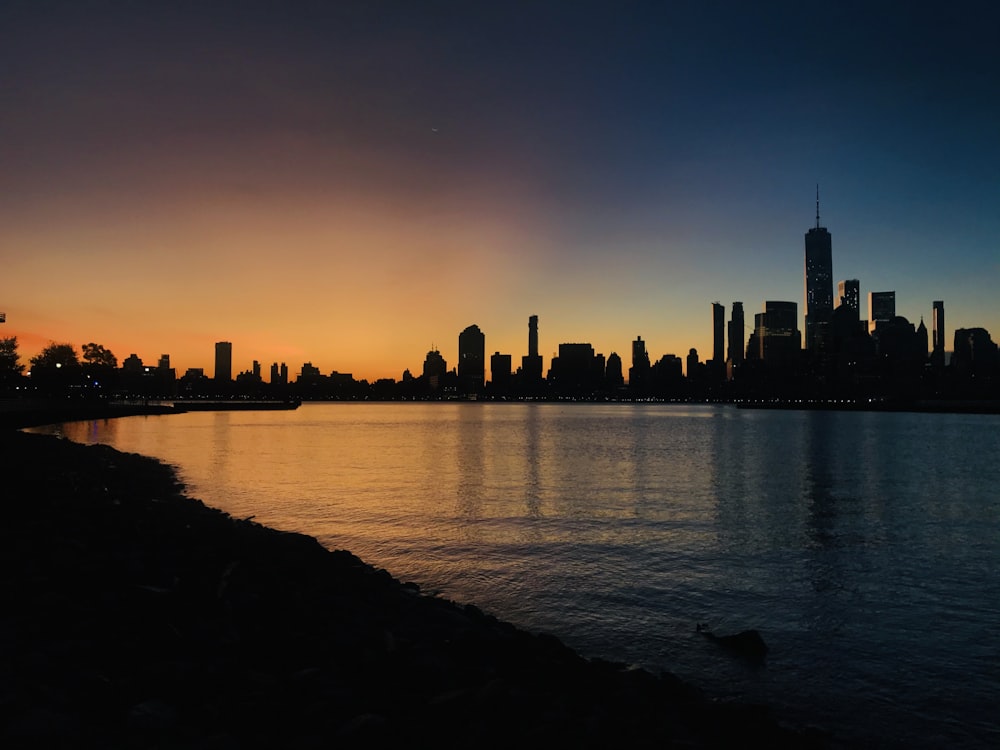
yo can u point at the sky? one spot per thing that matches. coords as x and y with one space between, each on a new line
353 183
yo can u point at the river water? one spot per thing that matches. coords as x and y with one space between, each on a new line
865 547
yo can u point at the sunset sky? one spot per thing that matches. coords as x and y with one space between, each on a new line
352 183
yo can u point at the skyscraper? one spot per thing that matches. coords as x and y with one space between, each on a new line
881 309
736 324
937 353
471 360
613 376
531 365
849 295
776 334
718 334
223 362
819 283
638 373
500 371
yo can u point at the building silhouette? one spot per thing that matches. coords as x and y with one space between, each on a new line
500 372
776 339
695 369
881 309
531 364
614 377
638 373
937 323
223 362
974 352
471 360
434 370
718 335
849 296
577 370
736 326
818 283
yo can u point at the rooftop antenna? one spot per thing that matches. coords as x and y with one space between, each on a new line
817 205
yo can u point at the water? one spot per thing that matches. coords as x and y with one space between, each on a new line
864 546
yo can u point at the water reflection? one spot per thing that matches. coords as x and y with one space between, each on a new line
862 545
531 430
470 464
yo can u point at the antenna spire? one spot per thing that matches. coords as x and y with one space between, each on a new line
817 205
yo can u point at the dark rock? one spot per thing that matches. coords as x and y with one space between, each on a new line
748 644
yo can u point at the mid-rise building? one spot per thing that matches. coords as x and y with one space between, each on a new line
849 296
613 375
576 370
776 339
881 309
500 371
434 370
223 362
471 360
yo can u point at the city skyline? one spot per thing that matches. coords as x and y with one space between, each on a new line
351 186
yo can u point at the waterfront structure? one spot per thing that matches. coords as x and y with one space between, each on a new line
471 360
881 309
223 362
937 354
531 364
818 284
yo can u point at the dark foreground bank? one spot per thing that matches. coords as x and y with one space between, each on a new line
136 617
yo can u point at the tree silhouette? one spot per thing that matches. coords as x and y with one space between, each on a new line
56 356
10 368
98 356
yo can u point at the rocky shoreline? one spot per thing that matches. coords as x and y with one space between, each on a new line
135 616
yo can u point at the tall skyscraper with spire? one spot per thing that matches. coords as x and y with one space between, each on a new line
819 284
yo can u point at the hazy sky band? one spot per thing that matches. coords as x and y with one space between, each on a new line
352 183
